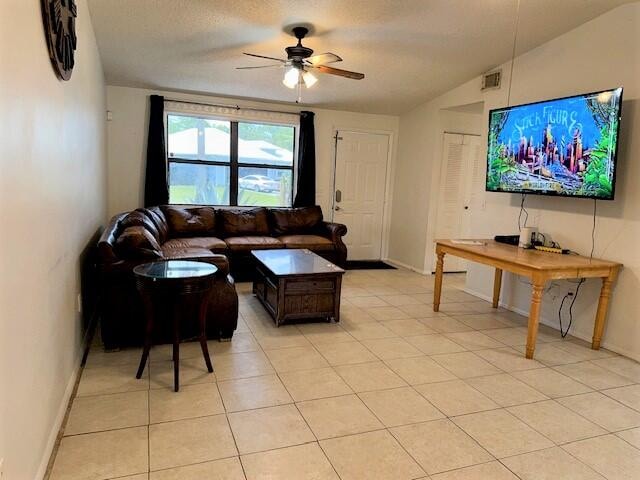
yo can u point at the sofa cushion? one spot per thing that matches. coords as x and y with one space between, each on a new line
139 219
236 223
160 221
246 243
190 221
293 221
312 242
210 243
137 242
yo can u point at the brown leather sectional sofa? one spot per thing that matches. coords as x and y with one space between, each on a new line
221 236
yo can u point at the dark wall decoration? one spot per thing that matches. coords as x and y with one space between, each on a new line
59 17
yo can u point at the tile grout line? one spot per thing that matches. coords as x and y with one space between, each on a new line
408 385
383 361
164 469
233 436
317 441
592 421
302 416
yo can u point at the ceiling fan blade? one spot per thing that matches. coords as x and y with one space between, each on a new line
323 58
262 56
259 66
339 72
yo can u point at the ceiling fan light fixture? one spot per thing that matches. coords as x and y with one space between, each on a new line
309 79
291 78
300 59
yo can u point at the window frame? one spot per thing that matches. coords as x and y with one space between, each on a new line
234 164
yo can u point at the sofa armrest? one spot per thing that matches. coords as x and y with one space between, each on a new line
107 240
333 231
220 261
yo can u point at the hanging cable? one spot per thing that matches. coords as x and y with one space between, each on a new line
513 52
513 58
523 211
593 228
582 280
575 296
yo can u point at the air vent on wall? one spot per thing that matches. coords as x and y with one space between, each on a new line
491 80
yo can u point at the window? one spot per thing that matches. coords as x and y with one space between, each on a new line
223 162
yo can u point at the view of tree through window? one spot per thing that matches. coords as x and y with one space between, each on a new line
219 162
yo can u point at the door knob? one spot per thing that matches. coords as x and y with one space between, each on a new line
338 195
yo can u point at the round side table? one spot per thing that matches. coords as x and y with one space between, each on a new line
184 285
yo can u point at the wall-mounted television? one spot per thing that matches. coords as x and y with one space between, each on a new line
565 147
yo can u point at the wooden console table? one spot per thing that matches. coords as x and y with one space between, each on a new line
539 267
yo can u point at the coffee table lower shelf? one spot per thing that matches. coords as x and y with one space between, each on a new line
298 297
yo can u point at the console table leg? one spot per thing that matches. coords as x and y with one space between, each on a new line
497 284
534 318
601 314
437 289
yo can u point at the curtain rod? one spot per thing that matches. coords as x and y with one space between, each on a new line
236 107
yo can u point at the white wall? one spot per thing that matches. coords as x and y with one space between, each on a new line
462 122
127 139
52 200
418 174
602 53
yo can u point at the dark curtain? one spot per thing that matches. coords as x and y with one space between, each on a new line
306 191
156 188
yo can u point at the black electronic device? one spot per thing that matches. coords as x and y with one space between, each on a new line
508 239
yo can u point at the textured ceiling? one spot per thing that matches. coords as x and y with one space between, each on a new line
410 50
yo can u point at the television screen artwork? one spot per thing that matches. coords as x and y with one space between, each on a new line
564 147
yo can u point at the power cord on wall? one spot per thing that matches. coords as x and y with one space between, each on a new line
593 228
582 280
522 211
513 52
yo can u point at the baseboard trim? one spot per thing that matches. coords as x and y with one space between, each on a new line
554 324
54 434
398 263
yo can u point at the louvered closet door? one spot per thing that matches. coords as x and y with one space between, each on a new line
461 192
452 196
474 181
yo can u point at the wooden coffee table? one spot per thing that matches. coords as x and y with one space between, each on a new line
295 284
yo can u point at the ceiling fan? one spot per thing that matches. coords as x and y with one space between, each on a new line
301 62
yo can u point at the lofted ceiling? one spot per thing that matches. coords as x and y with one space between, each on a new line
410 50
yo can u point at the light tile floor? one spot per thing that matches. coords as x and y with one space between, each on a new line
395 391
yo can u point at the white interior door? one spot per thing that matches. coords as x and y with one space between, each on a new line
359 196
461 191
